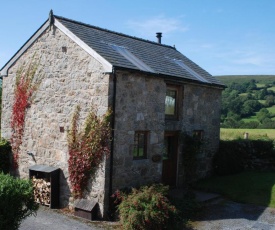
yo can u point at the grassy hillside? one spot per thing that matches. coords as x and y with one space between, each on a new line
260 79
244 100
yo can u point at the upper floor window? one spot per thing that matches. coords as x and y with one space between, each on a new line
171 102
140 145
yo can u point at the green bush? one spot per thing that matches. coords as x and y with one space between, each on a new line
146 208
237 155
230 158
263 149
5 150
188 207
16 201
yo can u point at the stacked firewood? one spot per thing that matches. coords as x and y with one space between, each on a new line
42 191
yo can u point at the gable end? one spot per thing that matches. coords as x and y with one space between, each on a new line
4 70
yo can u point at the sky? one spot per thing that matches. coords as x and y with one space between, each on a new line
225 37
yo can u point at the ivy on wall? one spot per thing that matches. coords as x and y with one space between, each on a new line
87 148
24 89
191 148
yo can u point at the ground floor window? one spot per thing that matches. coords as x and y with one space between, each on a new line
140 145
198 135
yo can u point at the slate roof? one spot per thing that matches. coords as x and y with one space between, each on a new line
134 53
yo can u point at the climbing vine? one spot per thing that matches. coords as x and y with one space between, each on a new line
191 148
87 148
24 89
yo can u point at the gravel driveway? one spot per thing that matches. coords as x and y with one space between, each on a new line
228 215
48 219
220 214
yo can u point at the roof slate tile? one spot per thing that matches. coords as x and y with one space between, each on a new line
157 56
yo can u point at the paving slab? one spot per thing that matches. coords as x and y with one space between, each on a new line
206 196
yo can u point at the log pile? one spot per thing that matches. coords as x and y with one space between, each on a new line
42 191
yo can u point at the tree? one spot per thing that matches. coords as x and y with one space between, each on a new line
0 102
263 114
251 85
269 100
249 107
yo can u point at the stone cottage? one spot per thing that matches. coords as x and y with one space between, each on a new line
156 94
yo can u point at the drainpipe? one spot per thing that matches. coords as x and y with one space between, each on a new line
113 136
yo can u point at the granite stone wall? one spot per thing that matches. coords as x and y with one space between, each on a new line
140 106
68 77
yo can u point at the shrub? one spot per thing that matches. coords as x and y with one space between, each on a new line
191 148
188 207
5 150
236 155
230 158
16 201
263 149
146 208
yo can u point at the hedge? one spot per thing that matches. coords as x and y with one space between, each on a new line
239 155
5 151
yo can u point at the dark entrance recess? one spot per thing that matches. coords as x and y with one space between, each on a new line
50 174
169 163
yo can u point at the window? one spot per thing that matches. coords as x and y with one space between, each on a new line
198 135
189 70
132 58
140 145
171 102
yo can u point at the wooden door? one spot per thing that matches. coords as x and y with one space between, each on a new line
169 163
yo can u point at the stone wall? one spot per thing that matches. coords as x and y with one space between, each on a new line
68 77
140 106
201 111
71 77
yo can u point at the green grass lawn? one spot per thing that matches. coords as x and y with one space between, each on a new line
248 187
260 86
254 134
262 101
271 88
252 118
271 109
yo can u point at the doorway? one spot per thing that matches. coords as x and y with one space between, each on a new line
170 156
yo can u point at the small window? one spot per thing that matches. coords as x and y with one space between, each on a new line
198 135
171 102
140 145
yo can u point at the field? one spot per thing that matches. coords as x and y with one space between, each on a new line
231 134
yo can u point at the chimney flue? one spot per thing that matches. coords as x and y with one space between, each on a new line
159 35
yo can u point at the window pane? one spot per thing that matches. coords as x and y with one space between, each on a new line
170 102
140 145
198 134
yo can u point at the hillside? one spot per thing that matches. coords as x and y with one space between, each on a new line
260 79
248 101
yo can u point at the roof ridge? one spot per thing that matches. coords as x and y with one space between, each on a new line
114 32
